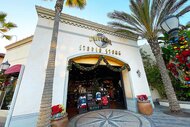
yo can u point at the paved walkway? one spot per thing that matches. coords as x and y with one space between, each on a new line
124 118
159 119
109 118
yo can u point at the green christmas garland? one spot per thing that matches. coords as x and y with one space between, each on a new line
82 68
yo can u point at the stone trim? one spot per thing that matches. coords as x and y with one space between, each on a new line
19 43
75 21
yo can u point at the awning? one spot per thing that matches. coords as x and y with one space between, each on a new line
13 69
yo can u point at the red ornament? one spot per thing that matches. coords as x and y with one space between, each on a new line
186 78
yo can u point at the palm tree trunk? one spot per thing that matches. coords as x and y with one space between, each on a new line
173 102
46 101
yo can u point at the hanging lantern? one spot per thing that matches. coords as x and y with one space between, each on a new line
4 66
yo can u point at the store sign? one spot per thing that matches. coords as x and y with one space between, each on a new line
99 50
100 40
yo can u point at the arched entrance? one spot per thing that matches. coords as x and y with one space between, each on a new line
96 82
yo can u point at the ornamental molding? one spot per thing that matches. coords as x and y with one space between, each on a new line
82 23
19 43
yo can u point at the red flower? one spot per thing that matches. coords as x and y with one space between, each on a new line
142 97
56 109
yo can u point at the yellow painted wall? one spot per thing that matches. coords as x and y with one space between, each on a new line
127 85
94 59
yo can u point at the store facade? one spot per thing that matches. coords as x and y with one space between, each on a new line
83 42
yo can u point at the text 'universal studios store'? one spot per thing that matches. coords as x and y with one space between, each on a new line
90 59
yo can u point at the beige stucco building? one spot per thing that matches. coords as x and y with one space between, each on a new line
17 53
73 44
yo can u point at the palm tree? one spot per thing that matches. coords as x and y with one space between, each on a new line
5 26
144 20
46 101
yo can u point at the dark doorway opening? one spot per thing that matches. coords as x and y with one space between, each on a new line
88 83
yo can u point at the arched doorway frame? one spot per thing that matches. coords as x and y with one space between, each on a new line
125 74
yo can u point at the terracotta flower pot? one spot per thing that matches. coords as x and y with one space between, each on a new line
60 123
145 107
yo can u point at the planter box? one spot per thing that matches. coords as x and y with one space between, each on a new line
145 107
60 123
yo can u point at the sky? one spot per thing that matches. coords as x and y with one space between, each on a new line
23 14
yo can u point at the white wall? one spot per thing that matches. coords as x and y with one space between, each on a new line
154 93
70 38
18 55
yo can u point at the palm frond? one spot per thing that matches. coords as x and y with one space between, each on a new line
136 11
146 16
141 12
2 17
146 9
8 37
184 11
76 3
178 5
123 31
122 16
9 25
165 11
138 20
3 29
155 11
118 25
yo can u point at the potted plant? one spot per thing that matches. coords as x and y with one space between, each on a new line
144 105
58 116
